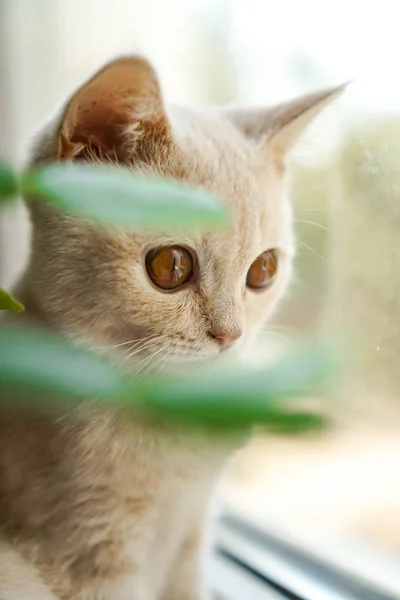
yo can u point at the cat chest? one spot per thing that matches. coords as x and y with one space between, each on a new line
178 514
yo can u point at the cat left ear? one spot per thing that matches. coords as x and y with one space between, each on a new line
281 126
120 106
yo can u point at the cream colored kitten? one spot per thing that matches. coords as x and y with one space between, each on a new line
94 505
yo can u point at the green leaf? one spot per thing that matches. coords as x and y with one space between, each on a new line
8 181
7 302
41 362
240 398
46 368
120 197
291 423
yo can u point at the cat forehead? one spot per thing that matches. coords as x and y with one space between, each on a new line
250 184
211 146
205 128
215 155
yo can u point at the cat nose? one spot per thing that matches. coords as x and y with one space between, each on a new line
225 338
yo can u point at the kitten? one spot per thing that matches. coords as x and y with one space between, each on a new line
95 506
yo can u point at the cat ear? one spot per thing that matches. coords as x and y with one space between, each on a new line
281 126
106 116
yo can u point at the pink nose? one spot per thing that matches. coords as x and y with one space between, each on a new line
225 338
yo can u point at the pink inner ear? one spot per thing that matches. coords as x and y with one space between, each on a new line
97 118
100 122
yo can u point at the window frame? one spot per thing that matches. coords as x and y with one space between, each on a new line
248 562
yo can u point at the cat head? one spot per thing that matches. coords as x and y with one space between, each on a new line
182 294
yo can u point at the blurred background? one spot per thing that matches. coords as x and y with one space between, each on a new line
338 492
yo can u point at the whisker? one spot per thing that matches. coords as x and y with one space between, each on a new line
151 367
163 368
311 249
134 341
149 358
317 225
139 346
146 346
319 210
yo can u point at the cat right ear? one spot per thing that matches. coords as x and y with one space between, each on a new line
120 106
281 126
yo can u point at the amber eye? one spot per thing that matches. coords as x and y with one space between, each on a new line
169 267
263 270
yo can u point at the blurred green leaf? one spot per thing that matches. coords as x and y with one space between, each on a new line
8 181
285 422
41 362
7 302
120 197
240 398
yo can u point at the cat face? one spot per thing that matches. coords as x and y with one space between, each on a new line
182 294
